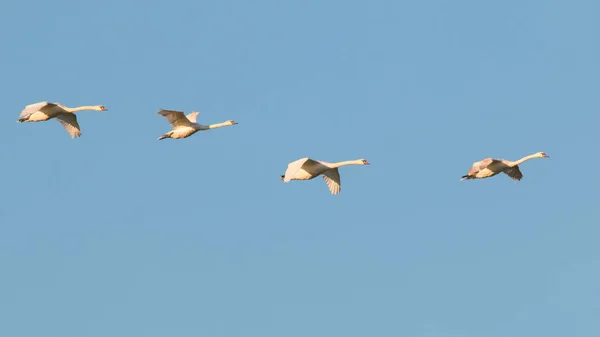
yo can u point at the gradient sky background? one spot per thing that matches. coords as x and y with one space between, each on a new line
118 234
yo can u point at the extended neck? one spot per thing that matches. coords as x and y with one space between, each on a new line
524 159
81 108
219 125
347 162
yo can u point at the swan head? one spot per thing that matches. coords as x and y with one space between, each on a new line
232 122
542 155
100 108
364 162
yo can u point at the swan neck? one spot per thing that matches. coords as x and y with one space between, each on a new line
218 125
80 108
522 160
347 162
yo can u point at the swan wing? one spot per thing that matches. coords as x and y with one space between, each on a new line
332 178
295 166
192 116
33 108
481 165
175 118
514 173
69 122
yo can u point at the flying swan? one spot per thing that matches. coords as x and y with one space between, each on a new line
184 126
306 169
44 111
489 167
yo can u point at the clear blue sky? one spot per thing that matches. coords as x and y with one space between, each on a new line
118 234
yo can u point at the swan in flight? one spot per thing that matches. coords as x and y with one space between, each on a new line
44 111
489 167
184 126
306 169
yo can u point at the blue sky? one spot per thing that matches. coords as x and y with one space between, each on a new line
118 234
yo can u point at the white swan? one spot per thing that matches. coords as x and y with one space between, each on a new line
490 167
44 111
185 126
306 169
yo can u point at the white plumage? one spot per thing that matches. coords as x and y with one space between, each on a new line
43 111
184 126
306 169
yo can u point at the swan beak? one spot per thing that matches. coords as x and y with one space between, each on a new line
367 163
103 109
546 156
233 123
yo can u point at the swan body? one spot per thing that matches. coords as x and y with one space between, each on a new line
490 167
43 111
306 169
184 126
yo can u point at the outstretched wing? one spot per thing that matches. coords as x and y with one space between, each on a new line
175 118
192 116
69 122
295 166
480 165
33 108
514 173
332 178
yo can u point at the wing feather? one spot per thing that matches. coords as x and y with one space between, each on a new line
480 165
514 173
69 122
33 108
193 116
175 118
295 166
332 178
